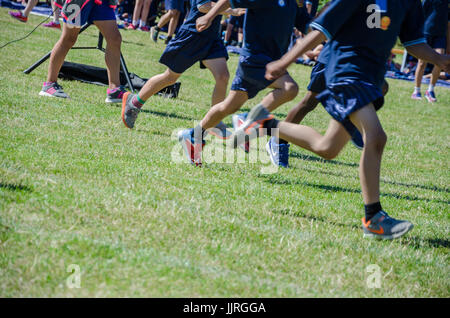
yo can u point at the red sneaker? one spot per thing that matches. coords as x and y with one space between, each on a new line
18 16
52 24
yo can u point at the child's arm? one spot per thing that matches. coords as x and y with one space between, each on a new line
205 8
424 52
205 21
278 68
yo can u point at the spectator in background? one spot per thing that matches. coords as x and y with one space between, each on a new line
435 29
56 15
311 7
22 15
174 9
235 22
140 15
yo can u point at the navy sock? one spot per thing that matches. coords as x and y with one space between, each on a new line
270 124
372 209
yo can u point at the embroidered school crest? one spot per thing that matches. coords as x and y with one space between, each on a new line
281 3
385 23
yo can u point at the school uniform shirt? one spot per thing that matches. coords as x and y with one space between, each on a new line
194 14
358 50
268 26
436 17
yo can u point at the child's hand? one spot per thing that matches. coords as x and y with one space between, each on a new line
238 12
202 23
274 70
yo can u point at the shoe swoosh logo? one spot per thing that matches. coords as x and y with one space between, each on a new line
379 231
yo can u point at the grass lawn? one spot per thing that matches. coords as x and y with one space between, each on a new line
78 188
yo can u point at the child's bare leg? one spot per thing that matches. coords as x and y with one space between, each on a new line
284 90
157 83
219 70
327 146
306 105
230 105
367 122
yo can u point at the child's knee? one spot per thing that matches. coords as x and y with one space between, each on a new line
223 78
291 90
327 151
115 40
376 140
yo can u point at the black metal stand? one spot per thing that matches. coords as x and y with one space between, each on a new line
99 46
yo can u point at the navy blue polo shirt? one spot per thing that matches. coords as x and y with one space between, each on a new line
359 50
268 26
314 5
194 14
436 16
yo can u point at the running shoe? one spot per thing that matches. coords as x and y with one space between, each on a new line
18 15
382 226
238 120
144 29
357 140
53 89
154 34
129 111
115 95
416 96
192 149
131 27
430 96
278 153
52 24
221 131
252 127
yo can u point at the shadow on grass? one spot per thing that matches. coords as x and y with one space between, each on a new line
167 115
14 187
301 156
278 180
418 242
407 185
302 215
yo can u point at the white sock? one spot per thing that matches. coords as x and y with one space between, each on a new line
135 23
431 88
416 90
142 24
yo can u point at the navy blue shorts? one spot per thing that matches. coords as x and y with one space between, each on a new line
318 82
91 12
250 74
188 47
436 42
342 99
237 22
174 5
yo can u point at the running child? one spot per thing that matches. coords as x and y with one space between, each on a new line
187 47
435 31
174 9
358 51
264 42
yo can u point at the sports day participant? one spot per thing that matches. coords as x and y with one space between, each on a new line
101 13
263 42
174 9
187 47
435 30
358 50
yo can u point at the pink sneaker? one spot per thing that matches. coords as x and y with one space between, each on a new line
52 24
145 29
18 16
131 27
416 96
430 96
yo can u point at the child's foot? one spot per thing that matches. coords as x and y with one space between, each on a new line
279 153
18 16
252 126
154 34
53 89
382 226
52 24
115 95
144 28
430 96
131 27
416 96
129 111
191 149
168 40
221 131
238 120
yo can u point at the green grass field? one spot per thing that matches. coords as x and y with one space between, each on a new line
77 187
